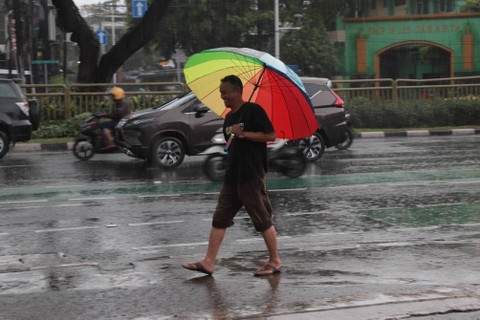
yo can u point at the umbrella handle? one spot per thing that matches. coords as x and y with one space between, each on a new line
229 142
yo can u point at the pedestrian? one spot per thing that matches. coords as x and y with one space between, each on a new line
122 109
244 182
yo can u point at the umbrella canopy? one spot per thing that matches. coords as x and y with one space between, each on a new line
266 80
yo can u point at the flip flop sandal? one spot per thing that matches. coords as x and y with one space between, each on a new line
267 270
196 266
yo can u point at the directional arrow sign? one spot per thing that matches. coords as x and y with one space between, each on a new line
139 7
102 36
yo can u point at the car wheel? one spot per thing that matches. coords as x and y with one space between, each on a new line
167 152
4 144
312 147
348 141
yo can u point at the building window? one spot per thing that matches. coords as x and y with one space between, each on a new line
446 5
422 7
373 4
400 2
385 3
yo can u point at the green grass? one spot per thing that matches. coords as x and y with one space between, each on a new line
51 140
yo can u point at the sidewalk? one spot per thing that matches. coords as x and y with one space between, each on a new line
36 147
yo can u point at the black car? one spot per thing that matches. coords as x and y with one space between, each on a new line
334 130
18 116
165 134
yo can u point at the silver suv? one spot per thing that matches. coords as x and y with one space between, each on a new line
18 116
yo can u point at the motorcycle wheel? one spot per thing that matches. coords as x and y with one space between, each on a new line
312 147
348 141
83 150
215 167
293 166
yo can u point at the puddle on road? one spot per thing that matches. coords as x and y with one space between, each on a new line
448 214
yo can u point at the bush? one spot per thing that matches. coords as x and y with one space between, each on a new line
61 128
422 113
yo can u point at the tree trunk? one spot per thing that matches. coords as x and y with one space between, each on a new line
70 20
91 70
132 41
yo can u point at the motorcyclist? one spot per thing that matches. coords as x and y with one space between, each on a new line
121 110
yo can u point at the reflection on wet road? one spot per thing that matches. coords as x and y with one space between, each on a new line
387 221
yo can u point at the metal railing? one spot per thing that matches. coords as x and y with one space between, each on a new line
59 101
407 89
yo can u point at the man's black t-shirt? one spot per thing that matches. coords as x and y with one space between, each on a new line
247 160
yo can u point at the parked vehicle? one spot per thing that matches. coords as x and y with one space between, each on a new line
18 116
90 140
333 130
283 157
165 134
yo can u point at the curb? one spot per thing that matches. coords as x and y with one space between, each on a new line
35 147
417 133
53 147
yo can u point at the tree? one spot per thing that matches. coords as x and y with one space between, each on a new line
471 6
96 69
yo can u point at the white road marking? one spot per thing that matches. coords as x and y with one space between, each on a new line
260 239
306 213
91 199
23 201
283 190
65 229
160 195
153 223
193 244
67 186
68 205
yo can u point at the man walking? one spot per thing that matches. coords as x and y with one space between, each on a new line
248 126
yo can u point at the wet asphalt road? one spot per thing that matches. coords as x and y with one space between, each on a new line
388 228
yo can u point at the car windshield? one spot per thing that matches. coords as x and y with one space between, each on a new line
173 103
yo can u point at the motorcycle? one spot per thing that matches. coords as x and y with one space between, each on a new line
283 157
90 140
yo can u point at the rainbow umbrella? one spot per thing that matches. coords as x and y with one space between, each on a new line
266 80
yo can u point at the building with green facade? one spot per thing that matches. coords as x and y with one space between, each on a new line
412 39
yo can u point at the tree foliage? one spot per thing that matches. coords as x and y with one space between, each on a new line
471 6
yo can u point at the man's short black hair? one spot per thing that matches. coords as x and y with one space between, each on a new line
234 80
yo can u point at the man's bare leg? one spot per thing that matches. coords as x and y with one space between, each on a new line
274 263
209 262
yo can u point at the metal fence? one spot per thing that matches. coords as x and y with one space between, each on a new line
60 101
408 89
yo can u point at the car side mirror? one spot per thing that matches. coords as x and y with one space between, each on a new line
200 110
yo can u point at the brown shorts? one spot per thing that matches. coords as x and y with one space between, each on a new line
253 196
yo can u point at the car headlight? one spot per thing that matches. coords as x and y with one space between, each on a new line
136 122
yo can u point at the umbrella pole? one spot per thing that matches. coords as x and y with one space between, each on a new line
257 84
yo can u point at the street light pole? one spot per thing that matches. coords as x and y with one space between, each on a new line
277 29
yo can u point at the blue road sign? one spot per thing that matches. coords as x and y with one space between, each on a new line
139 7
102 36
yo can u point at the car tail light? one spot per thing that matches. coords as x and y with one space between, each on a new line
338 101
24 107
